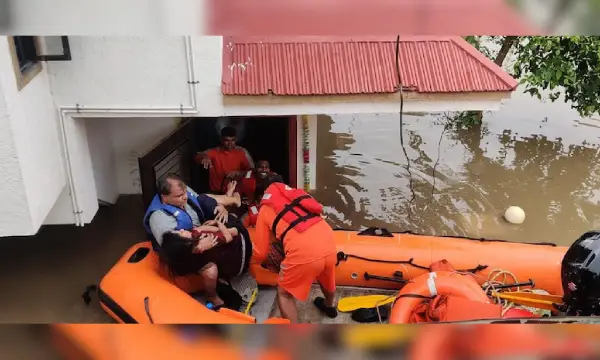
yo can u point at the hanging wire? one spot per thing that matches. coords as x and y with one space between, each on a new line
437 161
400 88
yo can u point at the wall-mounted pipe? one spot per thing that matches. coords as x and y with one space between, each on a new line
72 194
66 111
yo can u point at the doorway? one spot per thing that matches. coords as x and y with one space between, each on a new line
266 138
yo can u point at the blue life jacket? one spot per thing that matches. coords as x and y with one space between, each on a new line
184 220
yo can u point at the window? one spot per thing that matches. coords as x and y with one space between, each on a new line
24 57
25 51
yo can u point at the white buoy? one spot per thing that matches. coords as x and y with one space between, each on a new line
514 215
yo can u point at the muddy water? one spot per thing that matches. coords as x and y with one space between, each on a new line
538 155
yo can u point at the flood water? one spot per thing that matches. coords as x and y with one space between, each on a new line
539 155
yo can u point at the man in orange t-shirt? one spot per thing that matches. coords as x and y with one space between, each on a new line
303 253
227 161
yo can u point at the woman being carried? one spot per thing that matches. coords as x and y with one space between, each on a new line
189 252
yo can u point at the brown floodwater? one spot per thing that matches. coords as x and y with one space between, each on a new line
538 155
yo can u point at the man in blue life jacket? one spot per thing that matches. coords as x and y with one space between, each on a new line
177 207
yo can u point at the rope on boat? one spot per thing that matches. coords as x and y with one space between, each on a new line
494 280
496 277
341 256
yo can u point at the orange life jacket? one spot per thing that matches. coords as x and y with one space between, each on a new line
443 308
446 308
295 206
248 184
252 215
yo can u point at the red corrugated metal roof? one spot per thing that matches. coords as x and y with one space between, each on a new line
365 18
321 66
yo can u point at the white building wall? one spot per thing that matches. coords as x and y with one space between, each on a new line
109 149
121 72
131 139
31 172
102 155
14 214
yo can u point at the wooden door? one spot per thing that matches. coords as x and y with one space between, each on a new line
174 154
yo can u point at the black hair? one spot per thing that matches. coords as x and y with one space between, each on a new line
228 131
261 186
176 254
270 180
164 184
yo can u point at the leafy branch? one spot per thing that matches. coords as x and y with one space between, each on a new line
564 65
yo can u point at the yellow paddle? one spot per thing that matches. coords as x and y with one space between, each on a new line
538 301
373 336
352 303
251 302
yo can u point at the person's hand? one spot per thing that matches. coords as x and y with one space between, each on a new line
210 223
206 162
206 227
220 225
207 242
221 213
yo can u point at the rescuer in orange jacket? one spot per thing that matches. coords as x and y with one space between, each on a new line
292 235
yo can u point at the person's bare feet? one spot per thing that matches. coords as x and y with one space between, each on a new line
231 188
238 199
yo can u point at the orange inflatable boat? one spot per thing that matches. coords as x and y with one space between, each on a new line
502 341
111 342
138 290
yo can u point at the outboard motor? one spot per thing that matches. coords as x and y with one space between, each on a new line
580 276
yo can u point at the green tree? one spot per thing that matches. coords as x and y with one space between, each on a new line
567 65
562 64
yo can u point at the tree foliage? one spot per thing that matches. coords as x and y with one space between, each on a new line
563 65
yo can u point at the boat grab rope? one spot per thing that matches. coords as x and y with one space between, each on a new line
341 256
383 232
494 281
496 278
147 308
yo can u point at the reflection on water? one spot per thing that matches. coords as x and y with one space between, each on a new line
540 156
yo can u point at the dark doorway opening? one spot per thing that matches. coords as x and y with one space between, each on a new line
265 138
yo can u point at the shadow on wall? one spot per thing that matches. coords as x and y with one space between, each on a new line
132 138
